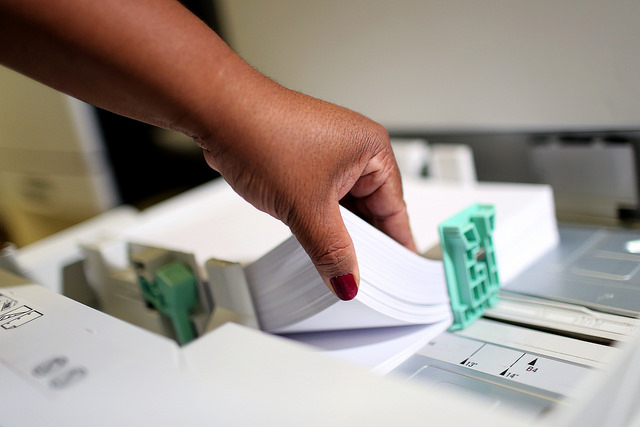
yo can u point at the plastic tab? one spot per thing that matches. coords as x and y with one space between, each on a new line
174 292
469 262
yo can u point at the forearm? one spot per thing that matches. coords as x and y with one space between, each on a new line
147 59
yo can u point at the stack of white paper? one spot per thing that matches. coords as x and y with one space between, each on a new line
397 287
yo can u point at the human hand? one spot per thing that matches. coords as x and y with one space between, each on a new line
296 157
288 154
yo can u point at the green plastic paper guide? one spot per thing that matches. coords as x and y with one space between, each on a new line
174 292
469 262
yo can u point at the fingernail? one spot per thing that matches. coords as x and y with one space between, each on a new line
344 286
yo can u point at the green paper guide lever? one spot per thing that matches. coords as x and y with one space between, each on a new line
174 293
469 262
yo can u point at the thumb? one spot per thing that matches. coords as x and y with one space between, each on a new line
327 242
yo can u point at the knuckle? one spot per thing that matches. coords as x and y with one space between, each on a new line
377 135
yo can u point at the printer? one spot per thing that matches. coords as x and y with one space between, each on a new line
564 325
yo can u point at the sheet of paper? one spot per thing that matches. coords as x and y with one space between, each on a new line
378 350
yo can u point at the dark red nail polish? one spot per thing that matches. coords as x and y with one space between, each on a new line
345 286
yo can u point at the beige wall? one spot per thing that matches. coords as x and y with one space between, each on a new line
53 168
415 64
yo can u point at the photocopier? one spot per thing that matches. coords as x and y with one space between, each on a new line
559 346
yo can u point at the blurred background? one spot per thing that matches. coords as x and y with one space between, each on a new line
541 91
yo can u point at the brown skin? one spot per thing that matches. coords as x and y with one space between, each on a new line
290 155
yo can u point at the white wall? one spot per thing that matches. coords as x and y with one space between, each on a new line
452 65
